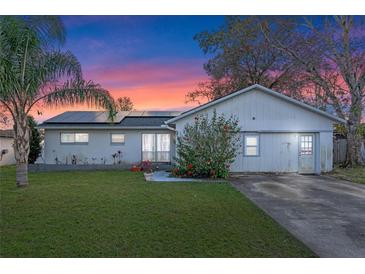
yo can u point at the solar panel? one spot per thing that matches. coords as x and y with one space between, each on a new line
95 117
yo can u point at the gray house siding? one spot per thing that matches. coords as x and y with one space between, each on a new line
279 124
99 146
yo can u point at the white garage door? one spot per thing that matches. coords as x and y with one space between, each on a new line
277 152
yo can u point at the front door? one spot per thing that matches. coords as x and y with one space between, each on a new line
306 154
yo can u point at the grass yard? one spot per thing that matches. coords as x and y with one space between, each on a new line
356 174
118 214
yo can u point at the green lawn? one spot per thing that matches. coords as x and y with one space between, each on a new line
118 214
356 174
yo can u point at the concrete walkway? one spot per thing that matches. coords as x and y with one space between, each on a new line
325 213
164 176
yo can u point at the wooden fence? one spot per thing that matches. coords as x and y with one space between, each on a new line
340 149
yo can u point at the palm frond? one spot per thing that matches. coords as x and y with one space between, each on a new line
49 28
59 64
76 92
32 71
49 68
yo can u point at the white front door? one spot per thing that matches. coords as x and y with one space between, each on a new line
306 154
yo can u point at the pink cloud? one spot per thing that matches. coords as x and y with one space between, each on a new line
150 86
136 74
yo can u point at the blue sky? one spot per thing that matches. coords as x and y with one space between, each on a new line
144 57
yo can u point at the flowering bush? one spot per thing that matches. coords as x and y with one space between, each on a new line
146 166
207 147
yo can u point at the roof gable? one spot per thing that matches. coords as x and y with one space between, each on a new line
263 89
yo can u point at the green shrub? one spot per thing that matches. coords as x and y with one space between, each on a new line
207 147
35 148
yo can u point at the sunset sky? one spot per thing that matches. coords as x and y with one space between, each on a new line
152 59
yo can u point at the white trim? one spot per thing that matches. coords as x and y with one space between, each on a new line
314 153
156 151
117 143
259 87
251 134
285 131
74 141
168 127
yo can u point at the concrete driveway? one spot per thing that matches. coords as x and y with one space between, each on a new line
326 214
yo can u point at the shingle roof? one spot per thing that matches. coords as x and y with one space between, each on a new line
99 119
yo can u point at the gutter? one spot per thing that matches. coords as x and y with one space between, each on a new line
168 127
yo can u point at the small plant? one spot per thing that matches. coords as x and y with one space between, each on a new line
146 166
3 152
114 156
117 157
135 168
74 159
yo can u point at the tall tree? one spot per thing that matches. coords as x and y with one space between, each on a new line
35 147
240 57
33 70
124 103
332 54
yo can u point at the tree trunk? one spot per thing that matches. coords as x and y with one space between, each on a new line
21 149
353 156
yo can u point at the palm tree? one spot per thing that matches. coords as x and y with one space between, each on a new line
33 70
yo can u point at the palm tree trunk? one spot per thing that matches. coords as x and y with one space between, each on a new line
21 149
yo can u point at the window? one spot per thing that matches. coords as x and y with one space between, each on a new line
71 138
117 138
81 137
156 147
251 145
306 144
67 138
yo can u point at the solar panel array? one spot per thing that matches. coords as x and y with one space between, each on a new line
97 117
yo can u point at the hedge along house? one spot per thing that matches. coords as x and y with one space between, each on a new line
89 137
279 134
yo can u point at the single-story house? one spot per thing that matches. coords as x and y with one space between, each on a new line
6 147
279 134
90 137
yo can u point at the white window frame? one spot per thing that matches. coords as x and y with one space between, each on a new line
257 146
117 143
155 147
306 144
74 138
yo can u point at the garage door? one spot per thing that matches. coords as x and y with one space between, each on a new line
277 152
